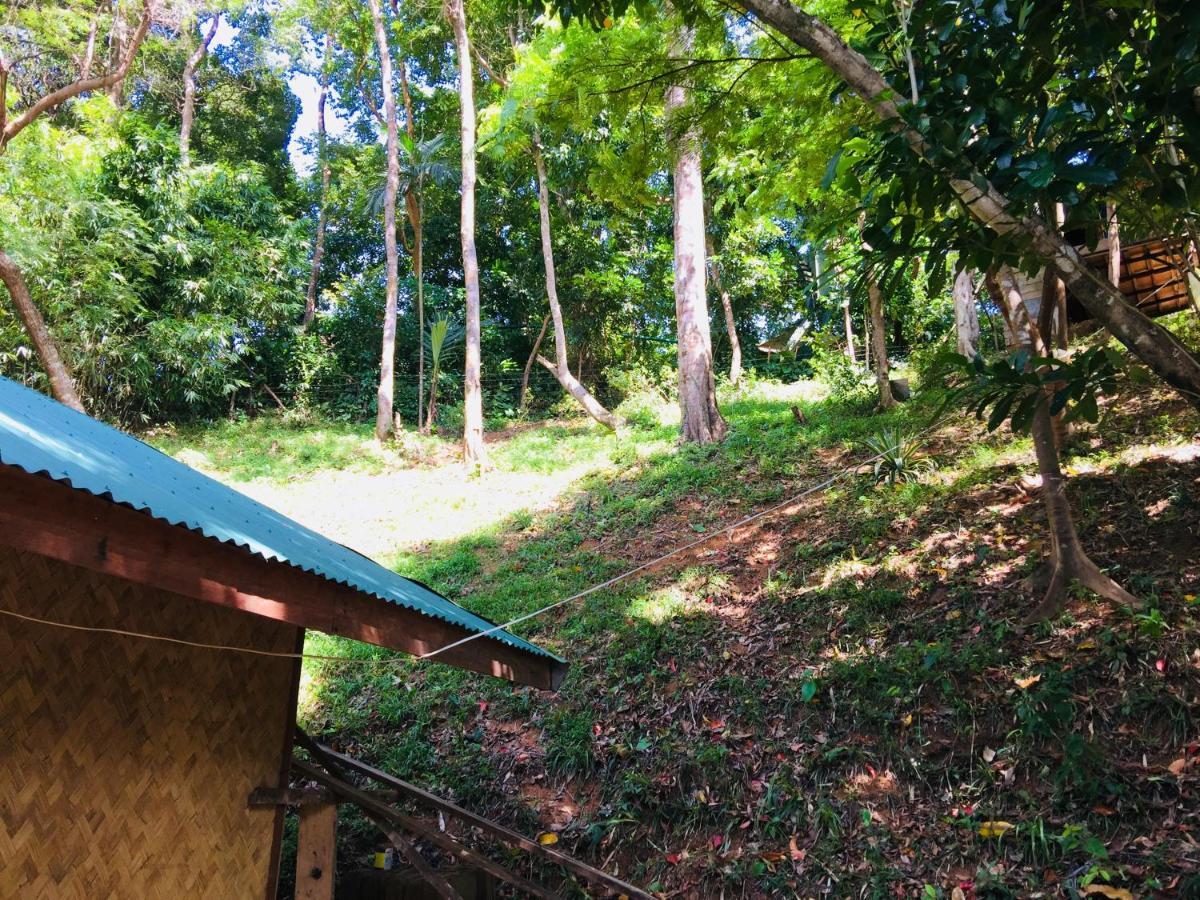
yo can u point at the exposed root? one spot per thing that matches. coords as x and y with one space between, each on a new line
1058 573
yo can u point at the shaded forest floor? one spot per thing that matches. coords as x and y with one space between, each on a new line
838 700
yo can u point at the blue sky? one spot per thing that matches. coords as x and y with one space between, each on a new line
307 89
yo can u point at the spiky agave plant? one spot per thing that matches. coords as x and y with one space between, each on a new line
897 457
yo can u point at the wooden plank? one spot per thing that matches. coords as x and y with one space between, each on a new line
592 875
439 884
378 810
42 516
316 852
285 766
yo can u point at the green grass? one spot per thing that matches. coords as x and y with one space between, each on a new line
270 447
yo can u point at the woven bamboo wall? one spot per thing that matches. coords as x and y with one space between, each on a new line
124 763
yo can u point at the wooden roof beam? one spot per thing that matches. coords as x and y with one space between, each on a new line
43 516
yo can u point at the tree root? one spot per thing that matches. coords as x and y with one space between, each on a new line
1054 576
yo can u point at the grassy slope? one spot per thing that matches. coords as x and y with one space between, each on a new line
833 701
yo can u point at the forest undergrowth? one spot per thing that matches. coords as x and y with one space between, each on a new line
837 700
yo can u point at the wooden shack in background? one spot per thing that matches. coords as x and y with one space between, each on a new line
1154 278
150 621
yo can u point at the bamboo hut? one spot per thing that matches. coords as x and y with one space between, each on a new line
150 625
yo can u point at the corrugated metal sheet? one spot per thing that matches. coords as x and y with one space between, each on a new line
43 437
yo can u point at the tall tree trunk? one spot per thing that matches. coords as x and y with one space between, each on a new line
310 300
89 53
735 345
474 451
116 49
189 90
1114 246
1066 560
61 383
416 215
966 314
1150 342
384 422
848 322
562 368
879 344
533 354
701 420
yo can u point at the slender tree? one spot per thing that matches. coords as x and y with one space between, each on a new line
384 422
700 419
966 316
474 451
412 205
188 113
714 272
1066 560
883 381
561 368
523 399
310 299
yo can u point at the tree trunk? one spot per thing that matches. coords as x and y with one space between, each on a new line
966 315
310 301
1150 342
562 370
1066 561
474 451
879 344
416 215
1114 247
384 422
700 419
524 397
62 386
848 322
735 345
189 91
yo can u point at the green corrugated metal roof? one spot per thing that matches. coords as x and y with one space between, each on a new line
43 437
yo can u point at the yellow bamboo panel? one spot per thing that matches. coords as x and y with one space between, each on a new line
124 763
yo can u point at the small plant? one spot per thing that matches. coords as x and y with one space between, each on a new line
898 458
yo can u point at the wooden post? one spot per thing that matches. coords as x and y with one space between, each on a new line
316 852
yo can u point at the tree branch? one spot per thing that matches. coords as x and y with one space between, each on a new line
81 85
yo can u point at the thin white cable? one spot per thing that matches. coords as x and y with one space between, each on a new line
616 579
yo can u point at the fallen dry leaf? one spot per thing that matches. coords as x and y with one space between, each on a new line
547 839
1106 890
1026 683
1177 767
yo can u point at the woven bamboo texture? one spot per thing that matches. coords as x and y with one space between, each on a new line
125 764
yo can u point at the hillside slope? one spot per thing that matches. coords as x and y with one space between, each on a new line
837 700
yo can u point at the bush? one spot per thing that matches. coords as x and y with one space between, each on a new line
846 380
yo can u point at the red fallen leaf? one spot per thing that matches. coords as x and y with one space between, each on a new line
673 858
671 666
1161 665
744 825
716 840
483 706
596 730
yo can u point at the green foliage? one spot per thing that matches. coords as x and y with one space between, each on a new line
846 380
1014 388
